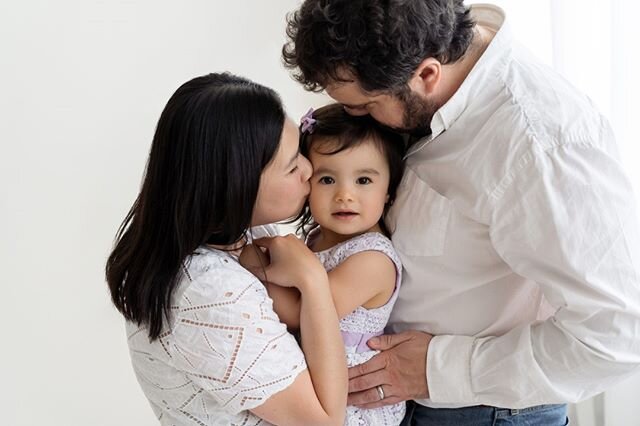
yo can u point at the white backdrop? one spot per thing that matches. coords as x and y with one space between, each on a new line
82 84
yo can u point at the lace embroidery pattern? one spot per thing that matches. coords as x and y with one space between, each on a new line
365 321
223 352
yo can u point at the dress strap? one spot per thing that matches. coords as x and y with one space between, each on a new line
359 340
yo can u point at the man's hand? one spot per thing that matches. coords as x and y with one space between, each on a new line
400 369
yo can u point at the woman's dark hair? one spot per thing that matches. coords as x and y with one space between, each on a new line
380 42
335 131
215 136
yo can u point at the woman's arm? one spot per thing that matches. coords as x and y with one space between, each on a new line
319 397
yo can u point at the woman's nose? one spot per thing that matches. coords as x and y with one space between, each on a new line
305 166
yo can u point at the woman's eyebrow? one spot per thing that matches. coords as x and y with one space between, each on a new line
293 159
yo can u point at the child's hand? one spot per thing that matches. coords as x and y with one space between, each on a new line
292 263
254 259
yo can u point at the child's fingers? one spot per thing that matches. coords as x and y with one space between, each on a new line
263 242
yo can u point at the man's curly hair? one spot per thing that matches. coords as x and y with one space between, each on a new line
380 42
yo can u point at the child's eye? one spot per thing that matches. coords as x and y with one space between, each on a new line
364 181
326 180
293 170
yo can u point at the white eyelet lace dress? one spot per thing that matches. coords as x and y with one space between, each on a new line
362 324
223 352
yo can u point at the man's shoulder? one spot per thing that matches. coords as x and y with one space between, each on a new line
545 105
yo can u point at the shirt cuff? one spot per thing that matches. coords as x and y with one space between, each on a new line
448 369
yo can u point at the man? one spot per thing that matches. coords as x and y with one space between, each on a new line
514 220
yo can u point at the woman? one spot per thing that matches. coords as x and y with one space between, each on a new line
205 343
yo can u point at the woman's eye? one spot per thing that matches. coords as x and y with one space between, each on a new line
364 181
326 180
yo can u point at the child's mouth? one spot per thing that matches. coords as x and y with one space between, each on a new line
345 215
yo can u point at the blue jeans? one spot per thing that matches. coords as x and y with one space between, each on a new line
482 415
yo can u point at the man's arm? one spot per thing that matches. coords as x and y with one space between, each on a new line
567 221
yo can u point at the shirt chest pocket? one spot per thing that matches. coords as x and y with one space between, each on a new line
419 218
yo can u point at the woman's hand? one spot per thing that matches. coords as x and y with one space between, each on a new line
292 263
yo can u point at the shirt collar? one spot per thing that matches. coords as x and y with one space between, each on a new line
492 17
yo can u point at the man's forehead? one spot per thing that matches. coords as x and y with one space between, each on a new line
348 92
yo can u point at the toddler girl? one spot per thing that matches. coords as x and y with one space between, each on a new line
357 166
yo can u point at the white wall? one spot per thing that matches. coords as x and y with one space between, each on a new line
82 84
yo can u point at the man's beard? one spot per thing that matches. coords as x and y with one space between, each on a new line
418 112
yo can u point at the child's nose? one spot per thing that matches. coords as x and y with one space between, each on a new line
343 195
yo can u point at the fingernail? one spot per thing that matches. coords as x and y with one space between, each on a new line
374 341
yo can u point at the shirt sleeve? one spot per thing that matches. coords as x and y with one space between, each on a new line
270 230
567 221
232 345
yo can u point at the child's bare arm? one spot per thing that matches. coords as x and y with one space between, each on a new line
364 279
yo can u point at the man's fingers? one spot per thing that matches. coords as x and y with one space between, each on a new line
368 381
369 396
374 364
388 341
379 403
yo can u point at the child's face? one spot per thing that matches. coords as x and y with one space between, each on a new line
349 188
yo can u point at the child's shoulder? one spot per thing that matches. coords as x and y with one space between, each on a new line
372 242
373 236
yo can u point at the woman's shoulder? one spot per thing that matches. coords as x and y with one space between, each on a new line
206 264
212 277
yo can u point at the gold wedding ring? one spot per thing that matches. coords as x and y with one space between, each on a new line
380 392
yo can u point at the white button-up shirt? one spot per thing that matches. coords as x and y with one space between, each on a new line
518 233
